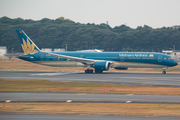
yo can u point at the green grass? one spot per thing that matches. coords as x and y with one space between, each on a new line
12 85
94 108
47 86
168 70
173 69
25 108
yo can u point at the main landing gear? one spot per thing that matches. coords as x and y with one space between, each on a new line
164 70
98 71
89 71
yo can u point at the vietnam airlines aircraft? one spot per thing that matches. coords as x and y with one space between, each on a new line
100 61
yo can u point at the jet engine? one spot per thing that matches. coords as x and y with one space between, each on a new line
102 65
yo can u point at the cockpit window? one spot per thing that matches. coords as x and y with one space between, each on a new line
169 58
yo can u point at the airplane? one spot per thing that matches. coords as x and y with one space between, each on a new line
100 61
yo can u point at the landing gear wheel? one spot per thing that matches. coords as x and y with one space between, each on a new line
89 71
164 72
98 71
86 71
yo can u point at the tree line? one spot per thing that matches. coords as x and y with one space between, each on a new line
48 33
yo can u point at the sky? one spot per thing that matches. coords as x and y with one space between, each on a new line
133 13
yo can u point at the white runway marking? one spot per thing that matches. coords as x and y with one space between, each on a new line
51 74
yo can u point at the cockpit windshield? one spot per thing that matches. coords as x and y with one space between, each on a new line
169 58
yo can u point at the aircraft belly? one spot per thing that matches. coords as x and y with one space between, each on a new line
137 65
62 64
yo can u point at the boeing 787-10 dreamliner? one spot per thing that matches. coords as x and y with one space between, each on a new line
100 61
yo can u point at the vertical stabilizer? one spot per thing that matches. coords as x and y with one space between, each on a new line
27 44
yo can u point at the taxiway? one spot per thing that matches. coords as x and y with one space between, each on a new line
25 116
128 78
83 98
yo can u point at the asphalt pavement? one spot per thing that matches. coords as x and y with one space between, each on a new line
140 79
94 98
25 116
127 78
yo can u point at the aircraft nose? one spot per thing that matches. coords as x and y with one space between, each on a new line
176 63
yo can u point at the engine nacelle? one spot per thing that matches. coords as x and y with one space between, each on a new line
121 68
102 65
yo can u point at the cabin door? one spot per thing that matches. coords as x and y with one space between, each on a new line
42 57
160 58
121 58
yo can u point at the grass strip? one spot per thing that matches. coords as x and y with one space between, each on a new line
12 85
94 108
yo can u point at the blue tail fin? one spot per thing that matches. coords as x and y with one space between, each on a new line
27 44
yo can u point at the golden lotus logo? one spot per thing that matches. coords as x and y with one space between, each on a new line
151 55
28 48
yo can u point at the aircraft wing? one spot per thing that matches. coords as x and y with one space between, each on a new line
82 60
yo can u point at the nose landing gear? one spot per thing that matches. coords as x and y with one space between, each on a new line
164 70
